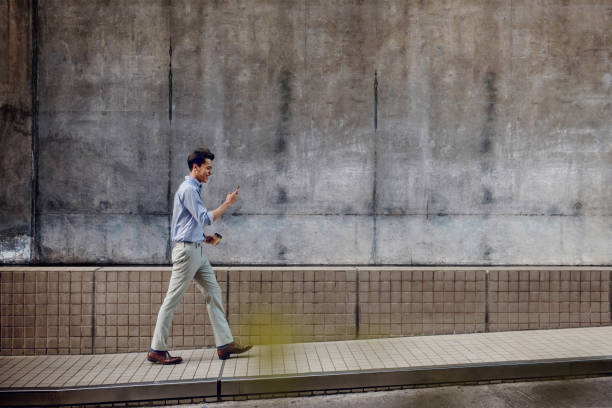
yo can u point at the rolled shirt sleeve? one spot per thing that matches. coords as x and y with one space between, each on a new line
194 204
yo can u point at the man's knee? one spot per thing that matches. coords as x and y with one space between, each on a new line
173 298
168 304
213 297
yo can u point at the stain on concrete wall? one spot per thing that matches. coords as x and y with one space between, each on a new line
15 132
360 132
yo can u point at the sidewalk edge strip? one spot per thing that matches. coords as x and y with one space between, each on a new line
108 393
465 373
233 386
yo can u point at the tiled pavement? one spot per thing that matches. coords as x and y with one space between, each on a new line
328 361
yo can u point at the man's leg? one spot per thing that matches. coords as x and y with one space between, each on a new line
207 283
184 265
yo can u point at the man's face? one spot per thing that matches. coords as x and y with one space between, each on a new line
204 171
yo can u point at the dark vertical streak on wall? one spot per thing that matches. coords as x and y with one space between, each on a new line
34 230
514 118
8 41
374 253
283 134
169 198
374 194
284 124
490 113
375 100
305 42
486 151
170 75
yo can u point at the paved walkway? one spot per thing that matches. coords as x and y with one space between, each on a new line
31 380
574 393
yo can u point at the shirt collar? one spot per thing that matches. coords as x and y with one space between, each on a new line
193 181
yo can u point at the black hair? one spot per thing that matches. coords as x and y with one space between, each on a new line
199 156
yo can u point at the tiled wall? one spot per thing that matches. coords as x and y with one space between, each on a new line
46 311
127 303
51 310
61 310
540 299
416 302
292 305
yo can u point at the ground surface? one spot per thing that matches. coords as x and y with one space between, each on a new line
578 393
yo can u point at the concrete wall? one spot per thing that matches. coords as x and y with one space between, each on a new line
16 109
361 132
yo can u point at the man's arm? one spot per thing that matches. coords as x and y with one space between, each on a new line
194 204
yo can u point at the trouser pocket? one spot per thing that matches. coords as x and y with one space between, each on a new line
180 254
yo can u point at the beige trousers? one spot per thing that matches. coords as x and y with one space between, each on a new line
189 263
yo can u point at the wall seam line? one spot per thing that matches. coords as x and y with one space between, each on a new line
374 192
169 137
93 312
34 230
227 293
357 303
486 322
219 378
610 296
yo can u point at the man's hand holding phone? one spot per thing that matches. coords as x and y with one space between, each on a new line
232 197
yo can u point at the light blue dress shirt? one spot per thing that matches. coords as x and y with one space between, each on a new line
189 214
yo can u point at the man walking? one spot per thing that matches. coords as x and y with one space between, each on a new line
189 261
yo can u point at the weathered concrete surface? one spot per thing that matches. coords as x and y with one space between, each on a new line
120 238
278 92
15 132
103 148
369 132
579 393
487 109
421 117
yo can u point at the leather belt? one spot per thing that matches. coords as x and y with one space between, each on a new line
195 244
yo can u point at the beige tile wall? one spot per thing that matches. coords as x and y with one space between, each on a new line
416 302
51 310
127 303
292 305
46 310
80 310
533 299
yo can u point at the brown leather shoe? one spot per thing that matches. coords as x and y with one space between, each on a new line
162 357
232 348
